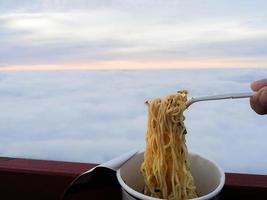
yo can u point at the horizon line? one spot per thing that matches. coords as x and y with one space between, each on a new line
140 65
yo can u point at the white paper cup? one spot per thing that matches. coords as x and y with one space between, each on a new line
208 177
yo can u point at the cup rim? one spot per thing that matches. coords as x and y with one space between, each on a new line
207 196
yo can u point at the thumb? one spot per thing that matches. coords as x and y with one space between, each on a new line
259 101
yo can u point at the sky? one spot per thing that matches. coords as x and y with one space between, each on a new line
125 34
62 96
94 116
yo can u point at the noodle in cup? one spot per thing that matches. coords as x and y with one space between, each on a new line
208 177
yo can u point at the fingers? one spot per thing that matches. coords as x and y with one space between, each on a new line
259 101
257 85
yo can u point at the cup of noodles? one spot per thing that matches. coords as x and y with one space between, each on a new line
208 177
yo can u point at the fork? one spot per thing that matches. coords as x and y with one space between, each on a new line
219 97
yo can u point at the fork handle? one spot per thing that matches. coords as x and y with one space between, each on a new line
221 96
229 96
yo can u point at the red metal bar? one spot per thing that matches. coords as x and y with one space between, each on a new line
246 180
37 179
43 166
244 186
43 180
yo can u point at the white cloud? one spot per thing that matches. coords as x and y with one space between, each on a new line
132 30
120 25
93 116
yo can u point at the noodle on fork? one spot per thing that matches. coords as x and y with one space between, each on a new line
165 168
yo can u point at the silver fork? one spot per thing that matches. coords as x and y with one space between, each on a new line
219 97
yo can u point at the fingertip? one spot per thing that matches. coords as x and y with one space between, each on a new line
253 86
257 85
258 100
253 101
263 96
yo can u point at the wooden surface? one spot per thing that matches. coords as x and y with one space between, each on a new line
47 180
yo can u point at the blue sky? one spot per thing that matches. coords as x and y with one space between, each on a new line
81 34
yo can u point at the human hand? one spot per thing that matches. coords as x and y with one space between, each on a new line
259 100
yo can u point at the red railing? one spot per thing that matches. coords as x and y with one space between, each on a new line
46 180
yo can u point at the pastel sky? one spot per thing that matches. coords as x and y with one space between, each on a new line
124 34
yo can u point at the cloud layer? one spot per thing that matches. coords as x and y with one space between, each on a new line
93 116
